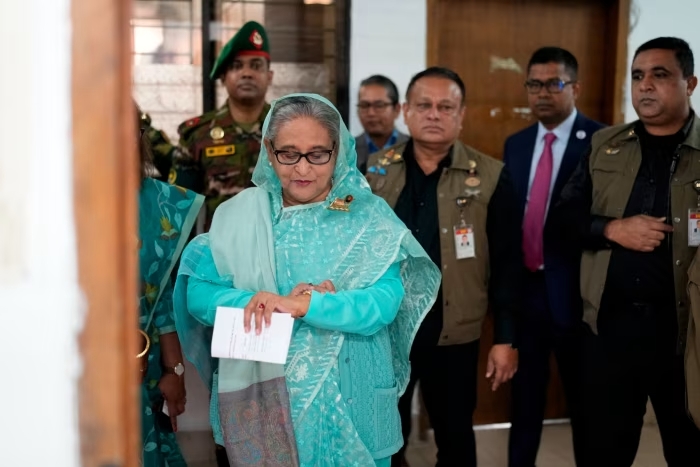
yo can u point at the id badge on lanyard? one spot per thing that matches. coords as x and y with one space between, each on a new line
464 241
694 219
463 234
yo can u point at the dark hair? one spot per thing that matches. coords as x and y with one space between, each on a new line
558 55
380 80
681 48
438 72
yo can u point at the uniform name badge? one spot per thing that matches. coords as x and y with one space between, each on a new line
694 227
464 241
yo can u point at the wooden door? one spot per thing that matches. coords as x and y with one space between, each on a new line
489 42
105 187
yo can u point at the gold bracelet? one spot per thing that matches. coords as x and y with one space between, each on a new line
148 344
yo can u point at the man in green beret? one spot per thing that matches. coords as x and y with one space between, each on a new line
221 147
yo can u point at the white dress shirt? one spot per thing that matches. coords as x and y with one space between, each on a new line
562 132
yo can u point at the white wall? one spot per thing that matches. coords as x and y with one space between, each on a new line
655 18
388 37
40 308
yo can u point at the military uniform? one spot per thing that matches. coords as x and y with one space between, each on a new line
163 150
219 154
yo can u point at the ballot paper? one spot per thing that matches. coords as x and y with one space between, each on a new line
230 340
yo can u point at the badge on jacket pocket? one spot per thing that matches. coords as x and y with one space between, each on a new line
464 241
694 227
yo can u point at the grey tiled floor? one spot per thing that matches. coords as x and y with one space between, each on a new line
555 451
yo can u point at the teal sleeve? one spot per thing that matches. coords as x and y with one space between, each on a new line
163 319
362 311
204 296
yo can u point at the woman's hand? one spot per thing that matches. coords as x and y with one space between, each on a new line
173 389
263 304
306 288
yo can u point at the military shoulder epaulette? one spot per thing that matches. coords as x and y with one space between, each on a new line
192 124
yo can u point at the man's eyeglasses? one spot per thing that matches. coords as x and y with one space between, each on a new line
554 86
292 157
376 105
445 109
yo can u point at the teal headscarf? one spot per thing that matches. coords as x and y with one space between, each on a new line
347 179
257 244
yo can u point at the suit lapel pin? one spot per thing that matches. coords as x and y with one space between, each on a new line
580 134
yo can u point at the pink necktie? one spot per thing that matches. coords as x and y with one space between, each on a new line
533 224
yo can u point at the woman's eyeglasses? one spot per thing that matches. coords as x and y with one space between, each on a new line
316 157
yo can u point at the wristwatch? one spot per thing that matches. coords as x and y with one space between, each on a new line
178 369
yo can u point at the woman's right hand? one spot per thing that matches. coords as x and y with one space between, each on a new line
263 304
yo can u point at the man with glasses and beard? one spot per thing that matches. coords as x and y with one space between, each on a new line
222 146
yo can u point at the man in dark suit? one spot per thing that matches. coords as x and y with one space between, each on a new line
541 158
378 107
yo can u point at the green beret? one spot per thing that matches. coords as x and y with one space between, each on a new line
251 39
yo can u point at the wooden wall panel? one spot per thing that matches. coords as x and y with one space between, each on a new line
106 186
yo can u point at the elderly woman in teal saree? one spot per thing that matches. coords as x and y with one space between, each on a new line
166 216
311 240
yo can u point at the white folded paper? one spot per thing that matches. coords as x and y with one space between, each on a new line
230 340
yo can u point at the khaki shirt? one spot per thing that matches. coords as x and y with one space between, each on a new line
613 166
466 282
219 156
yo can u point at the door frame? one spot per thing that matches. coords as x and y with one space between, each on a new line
615 63
105 187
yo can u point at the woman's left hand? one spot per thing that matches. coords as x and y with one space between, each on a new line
173 389
263 304
305 288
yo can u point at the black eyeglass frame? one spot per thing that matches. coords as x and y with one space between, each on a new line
553 86
305 155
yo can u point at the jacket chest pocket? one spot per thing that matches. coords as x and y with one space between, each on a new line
612 185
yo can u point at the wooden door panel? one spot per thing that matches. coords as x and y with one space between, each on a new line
105 170
489 42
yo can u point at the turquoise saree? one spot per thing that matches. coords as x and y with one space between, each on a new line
166 216
335 401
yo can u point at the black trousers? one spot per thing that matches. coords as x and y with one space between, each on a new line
447 376
634 358
221 457
538 337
